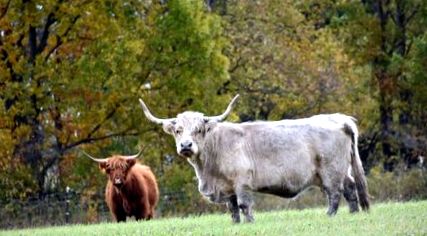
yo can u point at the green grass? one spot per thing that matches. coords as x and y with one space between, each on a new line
408 218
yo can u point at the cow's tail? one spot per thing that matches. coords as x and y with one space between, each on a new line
356 164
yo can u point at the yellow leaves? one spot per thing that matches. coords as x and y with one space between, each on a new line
23 132
300 69
73 8
7 141
136 46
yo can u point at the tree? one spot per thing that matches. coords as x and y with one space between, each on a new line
284 66
49 104
382 34
71 73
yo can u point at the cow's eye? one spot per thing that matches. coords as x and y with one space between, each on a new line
178 131
199 130
107 170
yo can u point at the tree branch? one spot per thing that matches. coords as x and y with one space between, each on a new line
236 65
45 35
109 115
97 127
32 43
413 13
19 42
59 40
118 134
6 8
58 43
9 101
408 48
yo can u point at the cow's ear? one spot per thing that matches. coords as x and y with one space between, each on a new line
168 127
102 165
210 125
131 162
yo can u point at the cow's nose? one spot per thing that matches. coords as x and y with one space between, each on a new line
186 145
118 182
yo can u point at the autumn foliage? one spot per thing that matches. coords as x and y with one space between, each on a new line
71 73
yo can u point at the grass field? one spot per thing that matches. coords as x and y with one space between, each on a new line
384 219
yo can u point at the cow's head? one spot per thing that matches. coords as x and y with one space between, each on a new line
116 167
188 128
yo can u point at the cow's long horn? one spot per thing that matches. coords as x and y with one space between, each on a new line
150 116
95 159
227 111
134 156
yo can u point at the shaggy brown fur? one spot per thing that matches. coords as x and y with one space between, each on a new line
131 189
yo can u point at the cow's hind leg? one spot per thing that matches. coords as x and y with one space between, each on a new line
332 178
350 194
234 209
334 196
245 203
152 212
333 186
149 212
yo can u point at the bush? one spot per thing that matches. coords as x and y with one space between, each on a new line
400 185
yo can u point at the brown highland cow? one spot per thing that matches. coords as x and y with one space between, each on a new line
131 188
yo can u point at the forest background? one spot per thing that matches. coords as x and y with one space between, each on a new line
71 73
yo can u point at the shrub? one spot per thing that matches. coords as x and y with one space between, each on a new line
400 185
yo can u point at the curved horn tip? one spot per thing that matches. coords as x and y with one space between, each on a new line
141 101
144 107
150 116
226 112
136 155
93 158
234 99
141 149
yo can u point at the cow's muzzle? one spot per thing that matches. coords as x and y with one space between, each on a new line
186 149
187 152
118 183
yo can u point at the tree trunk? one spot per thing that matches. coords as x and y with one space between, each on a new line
401 21
44 164
386 85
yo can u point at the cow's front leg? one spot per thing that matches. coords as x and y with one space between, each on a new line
245 202
234 209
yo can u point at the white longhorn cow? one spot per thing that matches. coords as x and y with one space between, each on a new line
277 157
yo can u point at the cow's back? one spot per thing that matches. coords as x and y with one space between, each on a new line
279 153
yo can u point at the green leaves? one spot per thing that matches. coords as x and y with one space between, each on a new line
383 35
72 73
186 46
284 61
